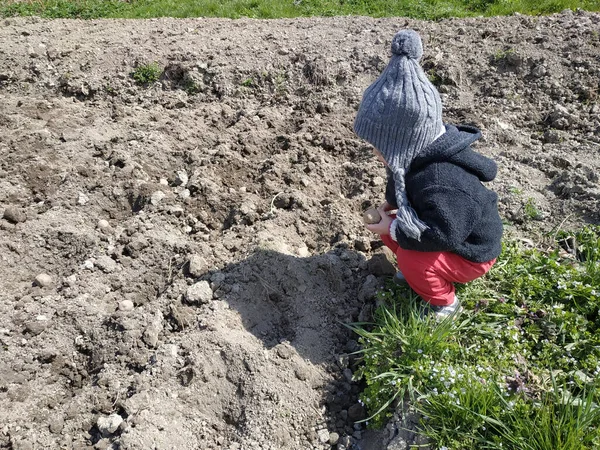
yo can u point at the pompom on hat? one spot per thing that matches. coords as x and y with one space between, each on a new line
400 114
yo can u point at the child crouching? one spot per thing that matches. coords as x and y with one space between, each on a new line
446 228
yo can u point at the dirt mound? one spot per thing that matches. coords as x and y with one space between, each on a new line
178 259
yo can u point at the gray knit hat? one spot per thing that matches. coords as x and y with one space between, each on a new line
400 114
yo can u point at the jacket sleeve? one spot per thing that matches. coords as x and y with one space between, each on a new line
449 213
390 189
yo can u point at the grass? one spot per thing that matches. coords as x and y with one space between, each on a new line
270 9
146 74
519 369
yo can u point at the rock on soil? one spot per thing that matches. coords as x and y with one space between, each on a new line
242 154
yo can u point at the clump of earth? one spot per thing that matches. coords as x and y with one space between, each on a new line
178 259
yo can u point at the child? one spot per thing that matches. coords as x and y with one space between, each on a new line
446 228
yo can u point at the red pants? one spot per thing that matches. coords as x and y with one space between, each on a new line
432 274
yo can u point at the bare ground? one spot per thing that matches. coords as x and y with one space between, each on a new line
202 235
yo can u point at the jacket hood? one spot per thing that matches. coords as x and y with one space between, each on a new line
454 147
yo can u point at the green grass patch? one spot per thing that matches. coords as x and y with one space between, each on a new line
519 369
269 9
147 73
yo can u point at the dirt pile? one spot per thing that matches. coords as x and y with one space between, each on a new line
178 259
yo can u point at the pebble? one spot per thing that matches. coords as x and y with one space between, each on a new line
181 178
199 293
323 436
56 424
15 215
108 425
102 224
153 330
377 181
87 264
333 438
302 373
356 412
126 305
106 264
197 265
157 197
82 199
36 327
43 280
284 351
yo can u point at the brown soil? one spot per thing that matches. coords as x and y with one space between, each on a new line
202 236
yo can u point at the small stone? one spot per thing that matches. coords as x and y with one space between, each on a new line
103 224
15 215
377 181
153 330
43 280
303 251
323 436
302 373
284 351
126 305
185 193
82 199
157 197
356 412
199 293
106 264
333 438
87 265
108 425
197 265
150 336
371 216
36 327
164 182
181 178
56 424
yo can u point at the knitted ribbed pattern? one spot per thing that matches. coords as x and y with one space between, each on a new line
400 114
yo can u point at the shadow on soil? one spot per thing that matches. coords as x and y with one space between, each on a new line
290 301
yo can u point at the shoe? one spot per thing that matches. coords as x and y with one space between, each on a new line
443 312
399 279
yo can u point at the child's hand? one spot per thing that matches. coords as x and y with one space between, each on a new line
386 206
383 227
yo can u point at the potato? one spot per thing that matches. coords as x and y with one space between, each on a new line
371 216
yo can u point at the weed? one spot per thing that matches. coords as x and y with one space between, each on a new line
192 87
505 57
515 190
435 79
530 210
146 73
